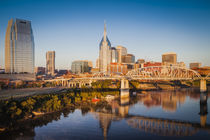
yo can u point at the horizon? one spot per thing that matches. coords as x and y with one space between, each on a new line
146 28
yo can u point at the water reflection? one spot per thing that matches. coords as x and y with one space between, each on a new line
168 101
203 109
124 112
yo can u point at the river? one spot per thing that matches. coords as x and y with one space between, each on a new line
181 114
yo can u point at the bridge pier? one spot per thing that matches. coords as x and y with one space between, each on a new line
124 84
124 92
203 109
203 87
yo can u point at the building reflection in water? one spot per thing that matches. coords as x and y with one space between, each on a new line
119 111
168 101
164 127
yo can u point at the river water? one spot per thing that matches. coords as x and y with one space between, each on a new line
152 115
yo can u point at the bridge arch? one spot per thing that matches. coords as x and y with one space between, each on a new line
208 76
164 73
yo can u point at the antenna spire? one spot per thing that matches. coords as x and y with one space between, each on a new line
104 30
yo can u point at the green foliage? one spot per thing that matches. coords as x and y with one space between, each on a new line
66 101
102 84
18 111
28 104
12 110
22 108
77 99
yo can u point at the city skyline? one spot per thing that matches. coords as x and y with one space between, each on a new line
187 35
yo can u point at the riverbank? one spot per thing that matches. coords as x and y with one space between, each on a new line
14 110
24 92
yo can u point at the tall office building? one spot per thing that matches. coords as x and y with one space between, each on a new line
121 51
169 58
79 66
114 55
50 62
104 52
19 47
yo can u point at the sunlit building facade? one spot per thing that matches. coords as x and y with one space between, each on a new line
195 65
129 58
19 47
50 63
104 52
117 68
97 63
140 61
121 51
169 58
114 55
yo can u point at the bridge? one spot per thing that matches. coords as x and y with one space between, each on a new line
155 73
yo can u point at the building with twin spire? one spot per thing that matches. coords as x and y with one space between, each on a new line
104 52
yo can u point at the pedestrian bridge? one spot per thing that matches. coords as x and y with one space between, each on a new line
155 73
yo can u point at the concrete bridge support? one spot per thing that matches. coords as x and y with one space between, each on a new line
124 84
203 87
124 92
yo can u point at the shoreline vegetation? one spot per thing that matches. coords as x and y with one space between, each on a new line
16 110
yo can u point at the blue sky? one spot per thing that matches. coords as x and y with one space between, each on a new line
147 28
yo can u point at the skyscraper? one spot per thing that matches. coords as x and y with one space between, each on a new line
79 66
50 62
104 52
121 51
114 55
19 47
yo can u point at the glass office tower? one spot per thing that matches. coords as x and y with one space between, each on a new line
79 66
19 47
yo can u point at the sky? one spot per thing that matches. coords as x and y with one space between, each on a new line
147 28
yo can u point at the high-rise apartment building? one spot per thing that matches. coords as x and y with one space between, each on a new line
169 58
121 51
104 52
19 47
50 62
